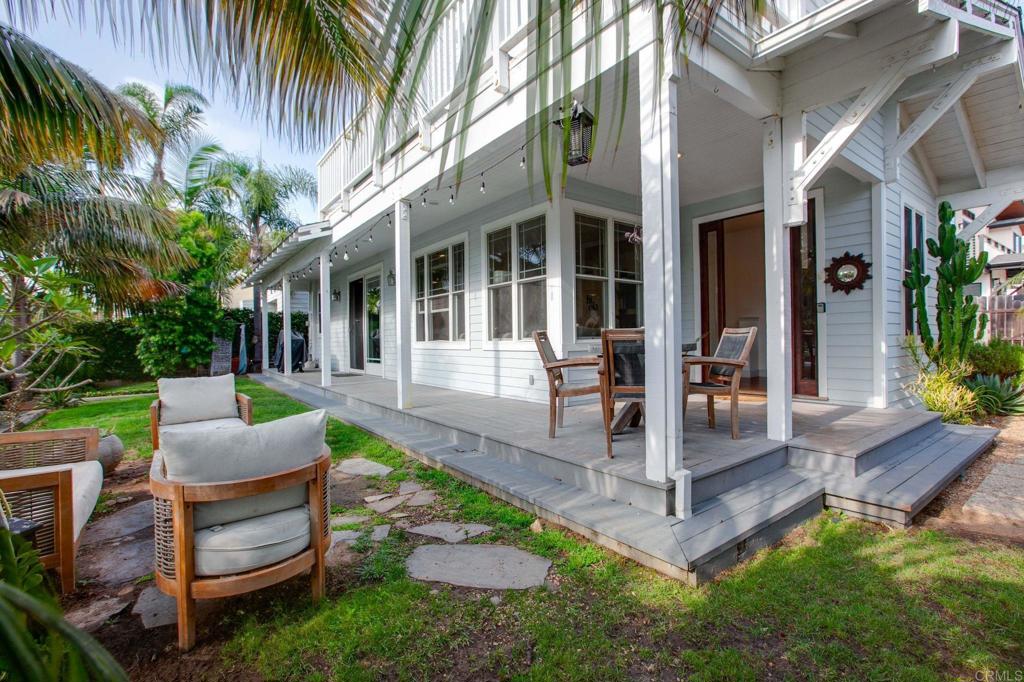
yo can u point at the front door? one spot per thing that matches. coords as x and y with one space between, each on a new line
355 324
804 291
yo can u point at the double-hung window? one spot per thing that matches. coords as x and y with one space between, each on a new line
516 286
913 238
440 290
607 280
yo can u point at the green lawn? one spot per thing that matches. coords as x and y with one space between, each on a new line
839 599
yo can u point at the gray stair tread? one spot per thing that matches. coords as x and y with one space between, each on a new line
851 438
738 524
715 510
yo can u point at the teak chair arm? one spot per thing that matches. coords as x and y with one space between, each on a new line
585 361
712 360
169 489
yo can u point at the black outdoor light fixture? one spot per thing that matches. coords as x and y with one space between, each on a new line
391 278
336 295
581 128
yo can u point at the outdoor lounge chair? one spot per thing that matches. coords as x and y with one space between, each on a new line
558 390
53 478
622 379
723 373
237 510
198 403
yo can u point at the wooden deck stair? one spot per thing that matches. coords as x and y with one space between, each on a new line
739 507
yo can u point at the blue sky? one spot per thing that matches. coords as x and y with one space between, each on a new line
236 131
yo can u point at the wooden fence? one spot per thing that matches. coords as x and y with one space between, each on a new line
1005 316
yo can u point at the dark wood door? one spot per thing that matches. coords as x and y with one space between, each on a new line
355 324
712 284
804 292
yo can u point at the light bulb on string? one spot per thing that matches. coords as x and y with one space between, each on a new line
357 247
483 185
424 201
451 197
346 254
370 238
522 160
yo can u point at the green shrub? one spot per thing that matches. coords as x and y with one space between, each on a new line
999 357
942 391
996 395
113 358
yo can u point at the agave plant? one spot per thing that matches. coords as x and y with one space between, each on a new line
996 395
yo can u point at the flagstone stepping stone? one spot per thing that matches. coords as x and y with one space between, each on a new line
341 554
377 498
422 498
115 564
493 567
359 466
345 536
348 492
123 522
451 532
399 515
158 609
93 615
387 504
380 532
348 519
406 487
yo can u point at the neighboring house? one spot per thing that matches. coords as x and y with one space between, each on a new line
1003 241
737 178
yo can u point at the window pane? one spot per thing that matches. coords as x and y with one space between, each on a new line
590 312
459 317
628 256
458 267
532 248
421 327
533 307
439 272
439 318
629 305
499 256
500 307
420 276
373 303
590 248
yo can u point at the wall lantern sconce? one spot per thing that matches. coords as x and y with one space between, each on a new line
336 295
581 128
391 278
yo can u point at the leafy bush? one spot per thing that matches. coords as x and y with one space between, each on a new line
999 357
57 397
942 391
113 344
996 395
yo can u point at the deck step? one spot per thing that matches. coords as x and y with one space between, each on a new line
715 480
851 448
895 491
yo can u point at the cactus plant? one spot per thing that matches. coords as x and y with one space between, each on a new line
956 314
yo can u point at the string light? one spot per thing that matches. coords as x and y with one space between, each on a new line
451 197
346 254
483 185
370 239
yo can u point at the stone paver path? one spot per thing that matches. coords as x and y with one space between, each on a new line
1000 497
494 567
388 503
119 563
451 532
127 521
91 616
359 466
348 519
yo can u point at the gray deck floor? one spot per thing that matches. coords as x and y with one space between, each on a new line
581 441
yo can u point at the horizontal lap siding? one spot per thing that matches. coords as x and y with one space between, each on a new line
847 207
865 149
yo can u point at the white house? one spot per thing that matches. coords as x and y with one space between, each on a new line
716 198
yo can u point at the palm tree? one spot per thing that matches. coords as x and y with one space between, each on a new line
259 197
177 116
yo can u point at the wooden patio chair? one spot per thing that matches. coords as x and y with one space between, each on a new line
239 510
53 478
723 373
198 403
622 379
558 390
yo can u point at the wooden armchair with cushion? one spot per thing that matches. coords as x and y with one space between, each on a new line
53 478
723 373
198 403
558 390
237 510
622 379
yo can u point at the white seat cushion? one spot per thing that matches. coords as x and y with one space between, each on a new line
213 455
229 423
197 399
86 481
251 543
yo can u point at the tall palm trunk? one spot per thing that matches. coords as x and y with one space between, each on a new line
157 179
255 253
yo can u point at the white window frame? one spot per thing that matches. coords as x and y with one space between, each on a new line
610 218
455 344
513 221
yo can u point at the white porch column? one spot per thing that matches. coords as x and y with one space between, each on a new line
403 303
659 178
325 318
264 331
286 322
556 328
778 303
